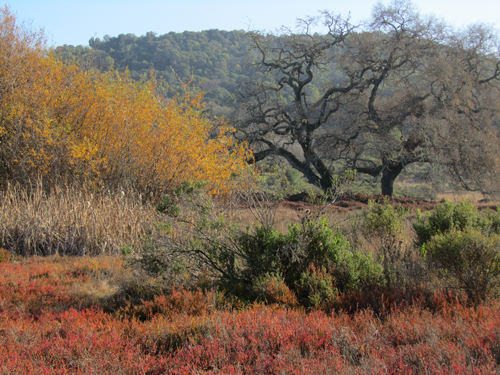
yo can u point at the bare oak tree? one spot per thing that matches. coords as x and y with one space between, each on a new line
404 89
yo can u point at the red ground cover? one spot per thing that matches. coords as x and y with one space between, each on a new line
44 330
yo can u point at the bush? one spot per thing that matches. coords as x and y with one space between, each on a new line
261 250
384 225
306 244
357 270
258 263
311 242
469 260
383 220
454 216
317 288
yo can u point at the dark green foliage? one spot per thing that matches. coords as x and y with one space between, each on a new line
454 216
258 263
310 243
384 220
214 59
190 188
383 225
357 270
262 250
267 251
152 259
168 206
317 288
463 244
469 259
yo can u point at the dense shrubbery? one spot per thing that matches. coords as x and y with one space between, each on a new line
64 123
464 245
243 262
454 244
454 216
469 259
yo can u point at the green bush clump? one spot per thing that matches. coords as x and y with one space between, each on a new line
356 270
454 216
261 250
253 264
383 220
310 243
168 206
469 259
383 225
317 288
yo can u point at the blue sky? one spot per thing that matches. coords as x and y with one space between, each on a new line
75 22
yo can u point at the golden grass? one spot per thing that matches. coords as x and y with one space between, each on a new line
461 196
68 221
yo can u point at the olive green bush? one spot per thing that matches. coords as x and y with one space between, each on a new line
309 243
317 288
469 260
258 262
462 245
383 225
454 216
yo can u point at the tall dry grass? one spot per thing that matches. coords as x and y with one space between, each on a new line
71 221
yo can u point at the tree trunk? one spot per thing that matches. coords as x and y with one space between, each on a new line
388 177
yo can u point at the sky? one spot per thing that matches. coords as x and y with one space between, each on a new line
75 21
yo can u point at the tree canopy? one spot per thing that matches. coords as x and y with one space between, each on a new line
62 122
214 59
403 89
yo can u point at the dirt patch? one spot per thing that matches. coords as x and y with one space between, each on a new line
353 202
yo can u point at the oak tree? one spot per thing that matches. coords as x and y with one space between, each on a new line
399 90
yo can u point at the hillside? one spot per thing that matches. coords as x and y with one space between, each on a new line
216 60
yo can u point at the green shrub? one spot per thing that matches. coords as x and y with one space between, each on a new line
168 206
383 220
311 242
241 262
356 270
454 216
469 260
306 244
317 288
262 251
383 225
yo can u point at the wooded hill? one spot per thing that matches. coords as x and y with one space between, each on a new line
402 90
215 59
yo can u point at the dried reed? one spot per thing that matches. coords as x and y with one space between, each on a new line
70 221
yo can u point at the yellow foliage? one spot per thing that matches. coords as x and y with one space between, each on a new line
63 123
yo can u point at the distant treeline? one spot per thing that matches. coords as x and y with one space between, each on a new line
215 59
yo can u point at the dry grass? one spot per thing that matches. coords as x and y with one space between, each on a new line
461 196
68 221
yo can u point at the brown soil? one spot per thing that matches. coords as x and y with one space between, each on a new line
298 202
